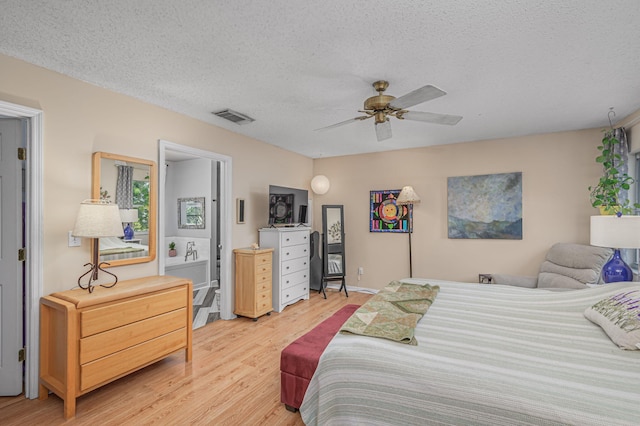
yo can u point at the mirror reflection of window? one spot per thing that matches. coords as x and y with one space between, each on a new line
141 203
194 213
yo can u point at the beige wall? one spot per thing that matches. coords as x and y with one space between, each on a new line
80 119
556 168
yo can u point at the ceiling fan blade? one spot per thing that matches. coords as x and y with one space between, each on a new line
431 117
383 130
416 97
342 123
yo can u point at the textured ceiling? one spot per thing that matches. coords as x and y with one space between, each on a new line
510 68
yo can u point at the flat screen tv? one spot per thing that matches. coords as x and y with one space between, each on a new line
288 206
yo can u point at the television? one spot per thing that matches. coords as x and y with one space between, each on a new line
288 206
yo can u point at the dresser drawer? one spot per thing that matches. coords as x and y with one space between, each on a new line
117 339
122 362
290 280
264 285
263 301
263 279
263 268
295 265
295 292
294 252
262 260
294 238
97 320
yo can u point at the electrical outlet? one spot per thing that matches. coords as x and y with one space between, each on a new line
360 270
74 241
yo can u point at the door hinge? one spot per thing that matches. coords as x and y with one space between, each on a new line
22 254
22 354
22 154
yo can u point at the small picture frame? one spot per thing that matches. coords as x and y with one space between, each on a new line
240 210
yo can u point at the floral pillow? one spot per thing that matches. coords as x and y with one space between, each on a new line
619 317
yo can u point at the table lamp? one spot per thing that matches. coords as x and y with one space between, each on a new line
97 219
616 232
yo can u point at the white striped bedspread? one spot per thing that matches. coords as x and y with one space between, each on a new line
486 355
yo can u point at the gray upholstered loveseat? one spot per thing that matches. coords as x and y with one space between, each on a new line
566 266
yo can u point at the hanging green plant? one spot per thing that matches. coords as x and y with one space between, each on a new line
606 194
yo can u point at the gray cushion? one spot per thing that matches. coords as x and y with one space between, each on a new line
570 265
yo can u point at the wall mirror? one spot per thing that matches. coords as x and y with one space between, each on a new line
333 251
130 183
191 214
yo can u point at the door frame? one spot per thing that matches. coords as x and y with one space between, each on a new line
226 212
34 239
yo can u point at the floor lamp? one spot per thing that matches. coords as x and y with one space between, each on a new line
408 197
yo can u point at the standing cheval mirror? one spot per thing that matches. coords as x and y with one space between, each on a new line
131 183
333 251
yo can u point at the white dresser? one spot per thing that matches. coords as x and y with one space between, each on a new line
290 264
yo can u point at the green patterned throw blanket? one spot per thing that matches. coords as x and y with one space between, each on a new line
392 313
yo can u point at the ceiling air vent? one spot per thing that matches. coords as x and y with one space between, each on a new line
236 117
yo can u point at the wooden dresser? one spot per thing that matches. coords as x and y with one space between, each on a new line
253 282
291 258
90 339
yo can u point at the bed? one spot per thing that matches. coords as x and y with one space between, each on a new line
486 355
113 248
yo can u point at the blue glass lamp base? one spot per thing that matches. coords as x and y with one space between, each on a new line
128 232
616 270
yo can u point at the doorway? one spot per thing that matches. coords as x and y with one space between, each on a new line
210 265
33 265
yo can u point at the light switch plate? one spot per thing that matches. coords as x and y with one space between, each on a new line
74 241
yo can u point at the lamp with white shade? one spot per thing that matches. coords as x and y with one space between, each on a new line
616 232
408 197
97 219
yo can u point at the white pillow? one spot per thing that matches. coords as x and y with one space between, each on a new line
619 317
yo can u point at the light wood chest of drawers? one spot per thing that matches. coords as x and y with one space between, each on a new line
253 282
291 259
90 339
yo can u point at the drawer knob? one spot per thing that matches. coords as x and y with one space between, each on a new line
287 267
287 253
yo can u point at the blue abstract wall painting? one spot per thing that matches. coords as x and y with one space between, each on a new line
485 206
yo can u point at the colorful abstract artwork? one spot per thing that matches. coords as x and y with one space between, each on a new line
385 215
485 206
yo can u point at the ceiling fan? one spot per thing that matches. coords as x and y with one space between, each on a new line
382 106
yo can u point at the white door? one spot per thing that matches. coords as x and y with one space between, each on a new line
11 321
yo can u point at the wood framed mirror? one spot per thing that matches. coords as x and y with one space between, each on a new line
132 182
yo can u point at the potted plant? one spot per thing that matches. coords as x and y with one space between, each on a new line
606 194
172 249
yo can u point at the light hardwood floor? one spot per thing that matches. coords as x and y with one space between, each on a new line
234 378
